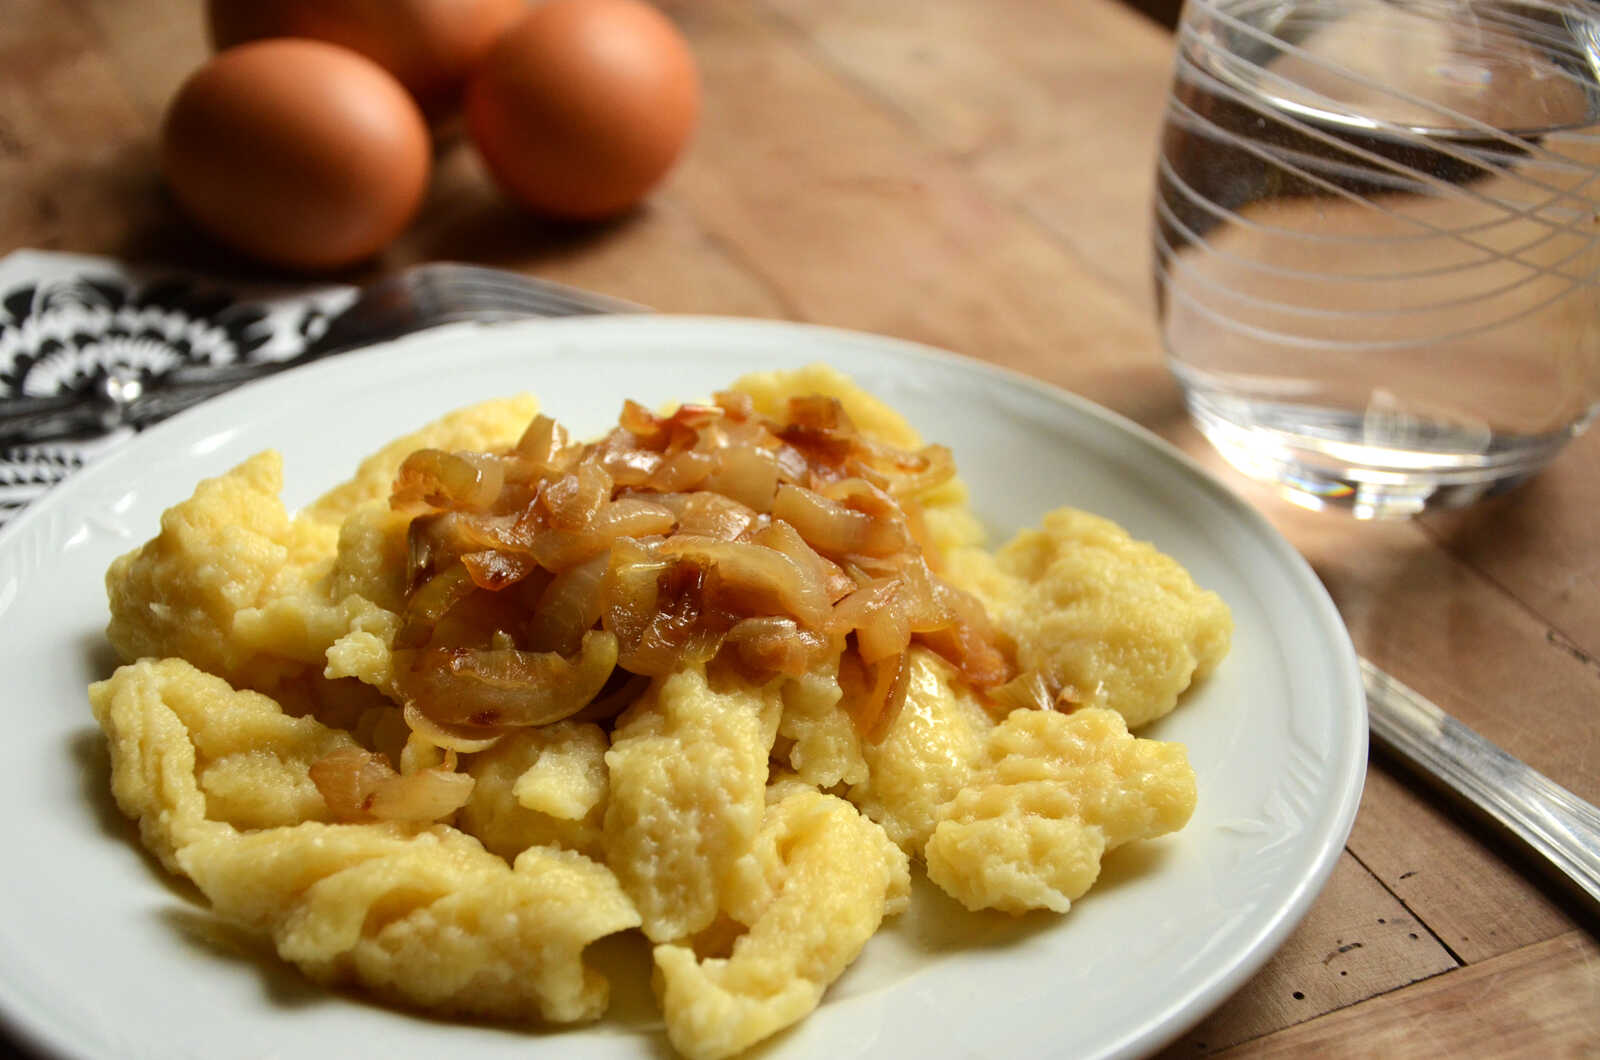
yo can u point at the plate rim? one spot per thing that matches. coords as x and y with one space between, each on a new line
1166 1022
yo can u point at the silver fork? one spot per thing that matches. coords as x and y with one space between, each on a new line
413 299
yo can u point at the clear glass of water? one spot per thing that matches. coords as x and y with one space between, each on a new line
1377 241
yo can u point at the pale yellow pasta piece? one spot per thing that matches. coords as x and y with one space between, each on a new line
815 886
228 548
1055 793
688 766
230 584
1112 621
425 917
372 558
539 787
927 755
486 425
824 748
187 752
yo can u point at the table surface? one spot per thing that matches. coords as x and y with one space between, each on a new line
975 175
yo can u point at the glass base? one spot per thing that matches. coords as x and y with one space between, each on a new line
1336 459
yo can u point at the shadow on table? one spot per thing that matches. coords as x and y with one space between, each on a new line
1164 12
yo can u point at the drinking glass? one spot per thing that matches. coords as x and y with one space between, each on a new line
1377 241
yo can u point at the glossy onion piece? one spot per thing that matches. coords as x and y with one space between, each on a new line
773 644
456 738
878 615
828 576
970 644
495 688
747 474
709 514
543 446
827 526
494 570
752 579
873 692
359 785
1028 690
572 501
430 602
932 468
684 470
470 481
569 607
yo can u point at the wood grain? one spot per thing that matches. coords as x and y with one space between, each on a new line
1539 1001
1359 941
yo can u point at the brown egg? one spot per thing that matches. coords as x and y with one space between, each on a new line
430 45
296 152
581 107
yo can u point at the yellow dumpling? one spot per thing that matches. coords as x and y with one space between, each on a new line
540 787
926 757
688 768
421 914
1110 621
424 916
813 888
1054 793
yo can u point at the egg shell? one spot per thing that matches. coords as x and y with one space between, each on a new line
429 45
581 107
296 152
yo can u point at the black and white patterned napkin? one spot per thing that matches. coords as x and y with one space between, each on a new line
66 320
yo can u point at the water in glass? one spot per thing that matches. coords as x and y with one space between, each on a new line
1377 229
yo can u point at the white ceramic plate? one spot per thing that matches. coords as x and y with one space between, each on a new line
102 956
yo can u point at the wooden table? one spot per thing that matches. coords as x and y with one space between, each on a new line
975 175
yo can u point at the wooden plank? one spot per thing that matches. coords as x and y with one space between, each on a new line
1358 941
1455 636
858 222
72 159
1541 543
656 256
1055 106
1476 892
152 46
1539 1001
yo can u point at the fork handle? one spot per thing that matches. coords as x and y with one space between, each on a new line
1555 823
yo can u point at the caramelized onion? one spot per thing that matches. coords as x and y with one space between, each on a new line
970 643
827 526
773 644
572 501
430 602
359 785
452 738
486 689
544 446
873 692
494 570
426 795
470 481
1027 690
709 514
749 579
569 607
747 474
714 530
347 778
